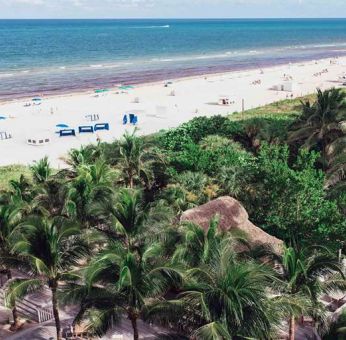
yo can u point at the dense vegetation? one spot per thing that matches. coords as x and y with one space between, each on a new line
105 233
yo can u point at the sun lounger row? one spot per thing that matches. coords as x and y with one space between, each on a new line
84 129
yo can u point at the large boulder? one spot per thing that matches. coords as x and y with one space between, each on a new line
232 216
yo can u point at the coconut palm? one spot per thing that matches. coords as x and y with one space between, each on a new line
320 127
197 246
53 248
120 282
84 155
10 216
41 170
126 217
22 188
136 160
92 183
224 298
302 274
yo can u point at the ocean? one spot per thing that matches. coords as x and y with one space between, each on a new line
53 56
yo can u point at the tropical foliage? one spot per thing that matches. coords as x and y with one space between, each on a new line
104 233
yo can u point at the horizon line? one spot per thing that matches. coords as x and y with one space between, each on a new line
175 18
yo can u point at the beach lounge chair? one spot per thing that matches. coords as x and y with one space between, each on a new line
124 120
85 129
67 132
103 126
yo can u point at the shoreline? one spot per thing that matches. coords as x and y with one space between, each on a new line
157 107
225 70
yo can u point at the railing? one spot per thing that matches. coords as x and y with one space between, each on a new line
30 309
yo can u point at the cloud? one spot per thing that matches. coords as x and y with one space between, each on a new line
169 8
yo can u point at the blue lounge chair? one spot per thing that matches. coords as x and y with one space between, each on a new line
67 132
103 126
85 129
124 120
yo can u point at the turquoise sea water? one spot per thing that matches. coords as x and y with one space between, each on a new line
48 56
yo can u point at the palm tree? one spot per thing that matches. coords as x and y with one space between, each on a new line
118 282
84 155
302 271
10 216
321 122
126 217
223 298
136 160
53 249
22 189
197 246
41 170
92 183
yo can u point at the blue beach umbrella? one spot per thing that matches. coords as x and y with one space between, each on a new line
36 99
61 125
2 118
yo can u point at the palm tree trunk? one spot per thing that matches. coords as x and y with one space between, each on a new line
130 181
14 309
53 288
292 328
135 327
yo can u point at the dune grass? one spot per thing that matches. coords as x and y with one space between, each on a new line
287 108
12 172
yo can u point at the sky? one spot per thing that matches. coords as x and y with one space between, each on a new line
13 9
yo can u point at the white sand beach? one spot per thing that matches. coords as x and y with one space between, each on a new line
154 105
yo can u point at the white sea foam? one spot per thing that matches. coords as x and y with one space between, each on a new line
156 26
6 75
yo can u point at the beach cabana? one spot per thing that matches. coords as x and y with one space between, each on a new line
39 138
288 86
224 99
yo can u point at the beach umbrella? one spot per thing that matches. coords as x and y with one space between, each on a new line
61 126
126 87
2 118
36 99
101 90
